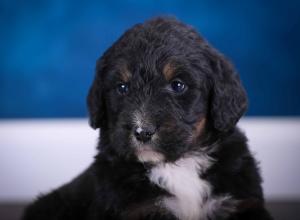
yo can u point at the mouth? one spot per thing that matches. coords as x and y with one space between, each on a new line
147 154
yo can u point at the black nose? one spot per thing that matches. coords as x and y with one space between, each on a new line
144 134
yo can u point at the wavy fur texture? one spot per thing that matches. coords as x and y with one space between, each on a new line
164 153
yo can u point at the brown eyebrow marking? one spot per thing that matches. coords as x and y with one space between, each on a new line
125 73
169 70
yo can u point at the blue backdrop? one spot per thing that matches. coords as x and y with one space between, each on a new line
48 49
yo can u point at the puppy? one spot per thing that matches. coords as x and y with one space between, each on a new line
167 104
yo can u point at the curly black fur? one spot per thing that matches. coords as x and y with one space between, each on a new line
199 121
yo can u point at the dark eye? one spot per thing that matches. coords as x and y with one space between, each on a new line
178 86
123 88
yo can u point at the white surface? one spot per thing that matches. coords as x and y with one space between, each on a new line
275 142
39 155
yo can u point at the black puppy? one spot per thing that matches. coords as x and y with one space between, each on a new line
167 104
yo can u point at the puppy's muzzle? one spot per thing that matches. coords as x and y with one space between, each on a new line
144 134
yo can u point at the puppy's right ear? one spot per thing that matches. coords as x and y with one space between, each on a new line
95 100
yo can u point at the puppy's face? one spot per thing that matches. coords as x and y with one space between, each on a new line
155 93
155 112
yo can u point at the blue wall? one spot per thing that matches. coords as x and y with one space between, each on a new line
48 49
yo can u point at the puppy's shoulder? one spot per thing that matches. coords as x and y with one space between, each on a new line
69 201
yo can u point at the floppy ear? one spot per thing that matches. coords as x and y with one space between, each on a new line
229 99
95 100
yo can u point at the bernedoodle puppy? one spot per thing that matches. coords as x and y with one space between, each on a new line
167 104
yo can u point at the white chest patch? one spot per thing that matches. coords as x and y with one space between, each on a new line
192 199
182 180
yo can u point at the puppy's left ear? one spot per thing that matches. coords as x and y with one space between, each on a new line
95 101
229 99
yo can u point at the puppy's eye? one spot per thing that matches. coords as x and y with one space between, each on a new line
123 88
178 86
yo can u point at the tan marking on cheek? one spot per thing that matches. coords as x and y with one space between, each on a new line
168 71
199 127
125 73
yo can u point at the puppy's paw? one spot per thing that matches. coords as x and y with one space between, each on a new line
220 207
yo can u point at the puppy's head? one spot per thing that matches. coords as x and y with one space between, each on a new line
160 90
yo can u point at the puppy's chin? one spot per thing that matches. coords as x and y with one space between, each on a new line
146 154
